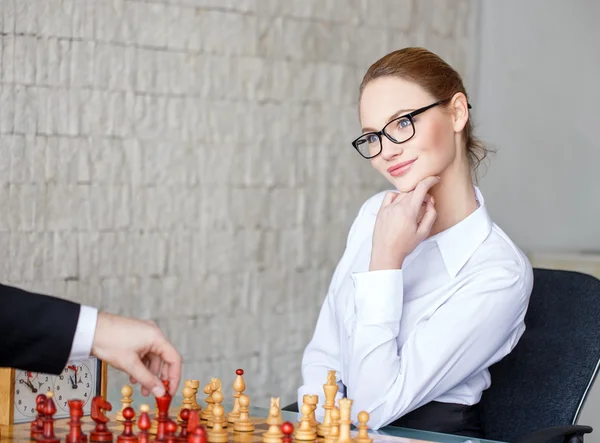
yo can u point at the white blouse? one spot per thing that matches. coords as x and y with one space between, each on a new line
399 339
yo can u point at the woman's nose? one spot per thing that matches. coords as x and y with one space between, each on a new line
390 149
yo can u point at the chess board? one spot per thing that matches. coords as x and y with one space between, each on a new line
20 433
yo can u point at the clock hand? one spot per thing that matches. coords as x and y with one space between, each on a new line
28 383
73 384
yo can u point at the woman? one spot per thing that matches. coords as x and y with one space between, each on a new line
429 292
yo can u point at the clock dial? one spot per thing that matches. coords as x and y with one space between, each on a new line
27 387
77 381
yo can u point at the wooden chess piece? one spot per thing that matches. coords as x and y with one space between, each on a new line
334 430
274 420
154 425
331 389
287 429
126 392
37 425
305 432
188 393
127 436
239 385
345 405
101 432
313 401
363 435
75 434
244 424
49 411
195 385
218 433
144 424
207 412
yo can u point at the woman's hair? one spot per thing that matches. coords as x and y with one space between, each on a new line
435 76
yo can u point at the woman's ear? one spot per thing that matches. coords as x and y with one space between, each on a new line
460 111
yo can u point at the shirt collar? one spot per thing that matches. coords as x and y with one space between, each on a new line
458 243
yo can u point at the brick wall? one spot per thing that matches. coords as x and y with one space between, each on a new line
189 160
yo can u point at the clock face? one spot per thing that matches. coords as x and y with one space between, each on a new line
79 380
76 381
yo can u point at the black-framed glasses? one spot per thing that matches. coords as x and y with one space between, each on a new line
399 130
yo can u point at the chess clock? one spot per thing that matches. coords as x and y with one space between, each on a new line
80 379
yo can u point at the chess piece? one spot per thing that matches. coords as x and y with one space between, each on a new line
334 430
330 388
194 384
218 433
49 411
207 412
363 436
274 420
185 415
75 434
126 392
345 421
287 429
305 431
193 421
198 435
37 425
154 425
170 429
163 412
239 385
127 436
101 432
144 424
313 401
244 424
187 403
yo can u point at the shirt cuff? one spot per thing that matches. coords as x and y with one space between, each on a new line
84 333
378 296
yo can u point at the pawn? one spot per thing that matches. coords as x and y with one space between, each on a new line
198 436
287 429
127 436
126 401
170 430
218 433
144 424
363 436
305 431
188 401
37 426
243 424
334 431
185 415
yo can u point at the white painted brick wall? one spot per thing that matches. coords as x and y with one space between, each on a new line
189 161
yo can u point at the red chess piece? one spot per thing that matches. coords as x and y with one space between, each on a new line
144 424
163 403
170 430
75 434
49 411
101 432
37 425
193 421
198 435
288 429
127 436
185 417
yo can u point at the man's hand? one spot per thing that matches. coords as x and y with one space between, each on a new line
137 348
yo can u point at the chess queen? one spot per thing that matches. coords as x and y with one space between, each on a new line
429 292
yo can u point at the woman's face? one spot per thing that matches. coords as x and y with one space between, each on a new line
432 148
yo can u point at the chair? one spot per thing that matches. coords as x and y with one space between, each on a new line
538 390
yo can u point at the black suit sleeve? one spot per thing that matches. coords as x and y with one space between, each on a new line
36 330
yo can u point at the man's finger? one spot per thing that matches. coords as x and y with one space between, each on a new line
147 379
172 360
420 192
